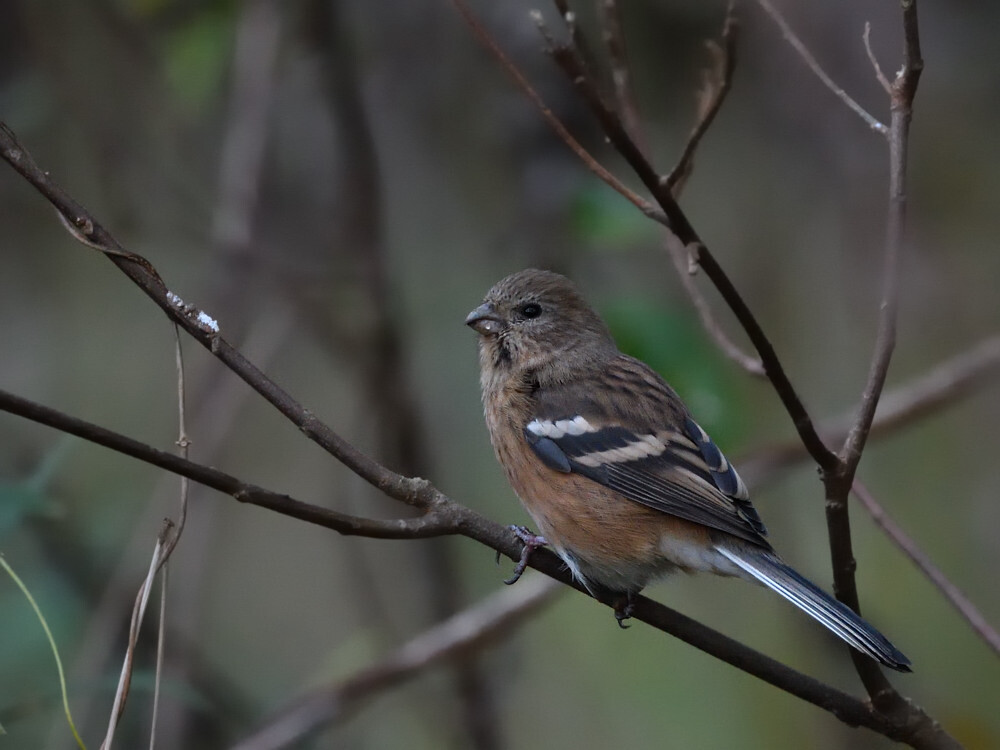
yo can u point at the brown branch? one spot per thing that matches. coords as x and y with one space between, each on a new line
717 79
678 223
838 484
681 259
621 74
969 612
451 518
904 89
469 631
947 382
810 61
483 37
437 519
717 82
138 613
206 331
879 75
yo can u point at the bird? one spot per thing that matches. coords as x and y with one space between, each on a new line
619 479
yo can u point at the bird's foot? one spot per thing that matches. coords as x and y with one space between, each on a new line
531 543
624 605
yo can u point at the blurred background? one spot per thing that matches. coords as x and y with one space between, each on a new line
339 183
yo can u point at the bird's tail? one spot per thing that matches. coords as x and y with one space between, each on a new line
807 596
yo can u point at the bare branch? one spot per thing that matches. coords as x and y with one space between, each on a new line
621 74
183 445
904 89
838 484
912 550
450 518
138 612
879 75
471 630
678 223
436 521
957 377
807 57
206 331
522 83
717 80
161 639
681 259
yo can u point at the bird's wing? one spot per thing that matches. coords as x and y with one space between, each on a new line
641 442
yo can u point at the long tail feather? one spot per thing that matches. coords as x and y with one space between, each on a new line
811 599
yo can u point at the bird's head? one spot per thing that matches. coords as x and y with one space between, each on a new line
538 321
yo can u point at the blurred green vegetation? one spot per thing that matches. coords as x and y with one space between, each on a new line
246 181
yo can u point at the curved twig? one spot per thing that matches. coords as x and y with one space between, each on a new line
807 57
969 612
477 627
589 161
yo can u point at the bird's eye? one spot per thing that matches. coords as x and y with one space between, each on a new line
531 310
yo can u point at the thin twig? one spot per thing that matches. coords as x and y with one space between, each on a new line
838 484
217 406
968 611
944 384
138 612
589 161
879 75
576 35
807 57
165 545
681 259
205 329
717 80
161 638
183 445
469 631
435 522
621 74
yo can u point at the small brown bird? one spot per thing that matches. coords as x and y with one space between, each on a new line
607 460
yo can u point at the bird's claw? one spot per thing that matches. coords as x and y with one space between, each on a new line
531 542
623 609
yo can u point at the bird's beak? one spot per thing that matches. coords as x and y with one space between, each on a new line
484 320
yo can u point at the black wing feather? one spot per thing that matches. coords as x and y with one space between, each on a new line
684 475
